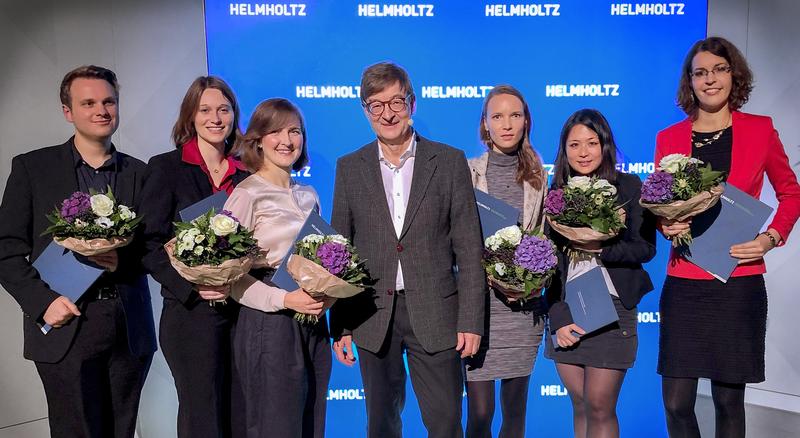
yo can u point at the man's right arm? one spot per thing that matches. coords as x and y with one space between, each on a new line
17 275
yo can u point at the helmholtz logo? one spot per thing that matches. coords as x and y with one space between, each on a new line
553 391
645 167
327 91
394 10
305 172
524 10
455 91
581 90
268 9
647 8
346 394
649 317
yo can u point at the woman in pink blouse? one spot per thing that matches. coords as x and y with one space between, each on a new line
284 365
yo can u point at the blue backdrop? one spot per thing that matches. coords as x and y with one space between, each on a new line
621 58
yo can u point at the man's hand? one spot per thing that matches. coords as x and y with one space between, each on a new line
468 344
108 260
344 350
60 312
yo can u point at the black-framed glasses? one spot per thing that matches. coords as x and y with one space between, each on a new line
717 70
377 107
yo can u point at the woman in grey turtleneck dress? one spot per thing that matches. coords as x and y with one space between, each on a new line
511 171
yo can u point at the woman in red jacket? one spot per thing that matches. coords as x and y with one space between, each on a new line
711 329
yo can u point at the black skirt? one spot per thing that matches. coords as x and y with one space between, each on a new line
713 330
613 346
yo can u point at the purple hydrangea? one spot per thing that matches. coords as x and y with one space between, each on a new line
334 257
554 202
77 205
535 254
657 188
229 214
222 243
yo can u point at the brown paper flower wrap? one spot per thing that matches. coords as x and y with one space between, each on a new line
227 272
682 210
583 235
317 281
92 247
512 292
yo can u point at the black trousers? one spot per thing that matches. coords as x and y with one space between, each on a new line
285 368
437 380
94 391
196 341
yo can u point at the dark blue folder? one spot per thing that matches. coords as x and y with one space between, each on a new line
314 224
495 214
736 218
590 302
65 272
194 211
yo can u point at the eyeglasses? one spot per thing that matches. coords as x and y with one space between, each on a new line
717 70
377 107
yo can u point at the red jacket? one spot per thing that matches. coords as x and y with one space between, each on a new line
756 150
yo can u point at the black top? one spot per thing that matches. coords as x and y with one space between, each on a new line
98 179
718 152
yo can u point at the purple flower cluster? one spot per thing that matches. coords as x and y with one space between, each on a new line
535 254
657 188
334 257
554 202
77 205
229 214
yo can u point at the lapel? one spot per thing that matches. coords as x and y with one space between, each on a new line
478 167
67 182
125 190
199 179
424 166
738 149
373 181
683 139
531 203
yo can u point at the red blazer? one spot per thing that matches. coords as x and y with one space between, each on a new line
756 150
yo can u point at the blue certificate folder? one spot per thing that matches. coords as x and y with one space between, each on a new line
314 224
589 302
736 218
215 201
65 272
494 213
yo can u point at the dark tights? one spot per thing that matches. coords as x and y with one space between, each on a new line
679 396
480 407
594 393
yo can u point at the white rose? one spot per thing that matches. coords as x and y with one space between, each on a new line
511 234
580 182
126 213
338 238
80 224
104 222
673 163
500 268
223 225
493 242
198 250
102 205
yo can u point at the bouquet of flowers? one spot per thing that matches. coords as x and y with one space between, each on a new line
92 223
681 188
212 250
520 262
326 266
585 210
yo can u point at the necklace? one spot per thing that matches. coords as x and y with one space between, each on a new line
700 143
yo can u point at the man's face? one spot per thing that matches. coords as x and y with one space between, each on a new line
93 110
391 122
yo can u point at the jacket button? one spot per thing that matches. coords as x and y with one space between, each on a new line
624 333
399 248
389 291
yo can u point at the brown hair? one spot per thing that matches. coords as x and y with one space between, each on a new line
742 77
529 167
86 72
183 131
269 116
377 77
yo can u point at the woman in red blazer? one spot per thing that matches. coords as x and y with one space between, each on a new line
712 329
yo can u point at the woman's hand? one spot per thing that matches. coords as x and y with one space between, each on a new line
564 335
755 249
301 302
213 293
672 228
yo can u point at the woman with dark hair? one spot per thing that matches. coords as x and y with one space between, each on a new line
593 366
712 329
196 321
284 365
510 170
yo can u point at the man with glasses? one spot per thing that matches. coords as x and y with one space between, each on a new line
407 204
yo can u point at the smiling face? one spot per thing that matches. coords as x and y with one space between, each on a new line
584 151
282 147
93 109
391 127
213 120
712 89
505 121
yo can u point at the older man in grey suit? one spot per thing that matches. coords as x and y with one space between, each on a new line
408 206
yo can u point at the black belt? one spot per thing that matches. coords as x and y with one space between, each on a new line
104 292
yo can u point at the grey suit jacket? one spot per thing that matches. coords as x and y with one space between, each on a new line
441 230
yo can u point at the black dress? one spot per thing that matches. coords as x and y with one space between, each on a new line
712 329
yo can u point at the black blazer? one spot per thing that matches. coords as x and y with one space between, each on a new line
622 255
39 181
170 186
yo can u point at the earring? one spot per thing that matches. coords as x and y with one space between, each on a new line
259 147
